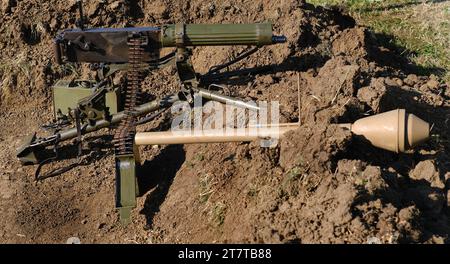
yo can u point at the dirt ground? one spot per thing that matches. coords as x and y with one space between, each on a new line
319 185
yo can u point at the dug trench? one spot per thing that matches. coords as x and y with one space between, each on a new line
319 185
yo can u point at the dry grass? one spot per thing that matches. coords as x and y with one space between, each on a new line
421 27
214 210
19 63
206 187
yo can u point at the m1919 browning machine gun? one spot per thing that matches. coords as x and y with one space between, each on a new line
84 106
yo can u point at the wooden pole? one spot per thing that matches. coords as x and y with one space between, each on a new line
213 135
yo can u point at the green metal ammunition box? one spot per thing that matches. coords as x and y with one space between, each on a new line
67 93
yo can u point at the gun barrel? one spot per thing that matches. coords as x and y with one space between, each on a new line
218 35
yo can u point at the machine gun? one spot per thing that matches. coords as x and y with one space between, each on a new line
83 106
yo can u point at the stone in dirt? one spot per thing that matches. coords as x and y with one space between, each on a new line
426 170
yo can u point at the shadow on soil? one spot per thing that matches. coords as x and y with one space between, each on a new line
158 174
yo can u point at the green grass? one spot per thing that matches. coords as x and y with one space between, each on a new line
420 27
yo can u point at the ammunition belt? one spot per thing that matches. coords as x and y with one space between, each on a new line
124 135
